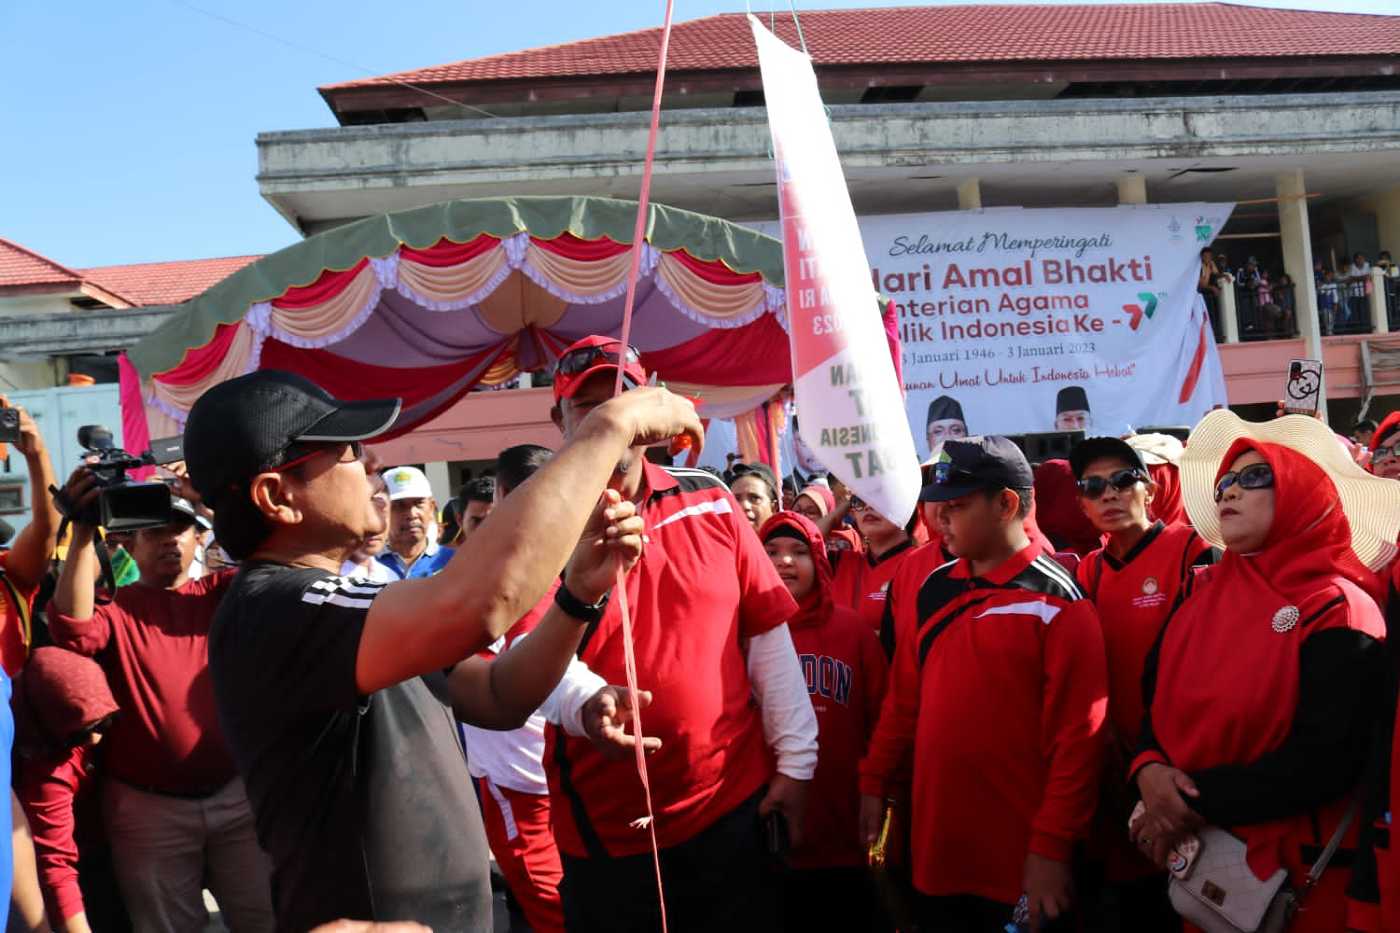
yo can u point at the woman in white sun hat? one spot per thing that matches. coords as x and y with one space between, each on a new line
1268 682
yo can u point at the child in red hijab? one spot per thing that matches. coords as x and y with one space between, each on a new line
62 707
1264 688
845 671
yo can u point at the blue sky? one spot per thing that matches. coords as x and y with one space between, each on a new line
127 128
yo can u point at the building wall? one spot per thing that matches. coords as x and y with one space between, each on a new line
1385 205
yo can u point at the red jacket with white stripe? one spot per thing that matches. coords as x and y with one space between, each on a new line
1000 698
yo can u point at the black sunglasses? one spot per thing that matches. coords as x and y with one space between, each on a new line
585 358
858 504
1093 487
298 454
1254 476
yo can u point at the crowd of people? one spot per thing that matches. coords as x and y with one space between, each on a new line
1266 301
1060 697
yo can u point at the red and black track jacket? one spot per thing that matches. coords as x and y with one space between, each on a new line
1000 698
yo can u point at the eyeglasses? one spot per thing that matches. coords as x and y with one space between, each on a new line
1093 487
1254 476
585 358
1383 453
858 504
356 451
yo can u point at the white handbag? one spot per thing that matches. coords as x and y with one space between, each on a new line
1219 893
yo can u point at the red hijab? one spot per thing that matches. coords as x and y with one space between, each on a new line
1389 426
57 695
1227 681
1061 517
816 606
1166 505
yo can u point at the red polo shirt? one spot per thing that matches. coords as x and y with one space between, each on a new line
703 585
862 581
154 646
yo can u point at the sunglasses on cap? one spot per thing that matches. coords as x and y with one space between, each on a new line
585 358
1093 487
1254 476
945 474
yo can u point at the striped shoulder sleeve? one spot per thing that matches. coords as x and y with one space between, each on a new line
345 592
1046 575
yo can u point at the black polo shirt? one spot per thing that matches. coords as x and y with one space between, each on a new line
364 803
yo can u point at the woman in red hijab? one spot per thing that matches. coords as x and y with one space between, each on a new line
63 706
830 888
1385 448
1263 691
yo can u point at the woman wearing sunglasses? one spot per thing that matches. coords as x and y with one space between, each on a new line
1268 681
1385 448
1133 581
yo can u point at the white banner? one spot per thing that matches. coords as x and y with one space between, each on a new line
1017 321
843 377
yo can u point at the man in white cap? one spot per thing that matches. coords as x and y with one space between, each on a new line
413 550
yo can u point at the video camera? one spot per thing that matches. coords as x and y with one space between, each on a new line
125 504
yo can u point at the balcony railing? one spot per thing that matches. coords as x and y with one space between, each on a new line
1250 312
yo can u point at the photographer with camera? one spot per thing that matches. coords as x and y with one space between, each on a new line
176 813
23 566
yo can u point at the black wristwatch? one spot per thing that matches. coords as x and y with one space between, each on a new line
575 608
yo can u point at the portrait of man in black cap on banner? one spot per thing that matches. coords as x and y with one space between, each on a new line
1072 409
945 420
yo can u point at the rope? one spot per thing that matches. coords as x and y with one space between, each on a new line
638 241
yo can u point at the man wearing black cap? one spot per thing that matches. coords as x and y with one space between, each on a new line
999 700
176 814
1072 409
331 689
945 420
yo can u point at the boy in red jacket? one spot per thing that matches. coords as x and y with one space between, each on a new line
1000 699
829 887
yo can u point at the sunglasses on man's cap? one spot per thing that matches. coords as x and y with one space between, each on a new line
585 358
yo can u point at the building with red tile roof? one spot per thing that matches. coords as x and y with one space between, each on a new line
165 283
905 49
23 272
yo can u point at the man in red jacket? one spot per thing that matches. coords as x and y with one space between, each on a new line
999 697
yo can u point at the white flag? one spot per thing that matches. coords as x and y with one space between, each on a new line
848 397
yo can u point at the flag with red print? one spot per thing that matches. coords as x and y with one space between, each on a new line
849 399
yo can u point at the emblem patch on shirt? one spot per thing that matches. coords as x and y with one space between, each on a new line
1149 586
1286 618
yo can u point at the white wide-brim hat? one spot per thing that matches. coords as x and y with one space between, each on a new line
1371 503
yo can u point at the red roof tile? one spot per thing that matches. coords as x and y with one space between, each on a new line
947 34
21 267
163 283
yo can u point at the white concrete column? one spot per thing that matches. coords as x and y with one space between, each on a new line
1296 238
1380 322
1229 311
440 480
970 195
1132 189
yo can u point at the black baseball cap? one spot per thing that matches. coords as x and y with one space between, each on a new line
1099 448
976 463
247 425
